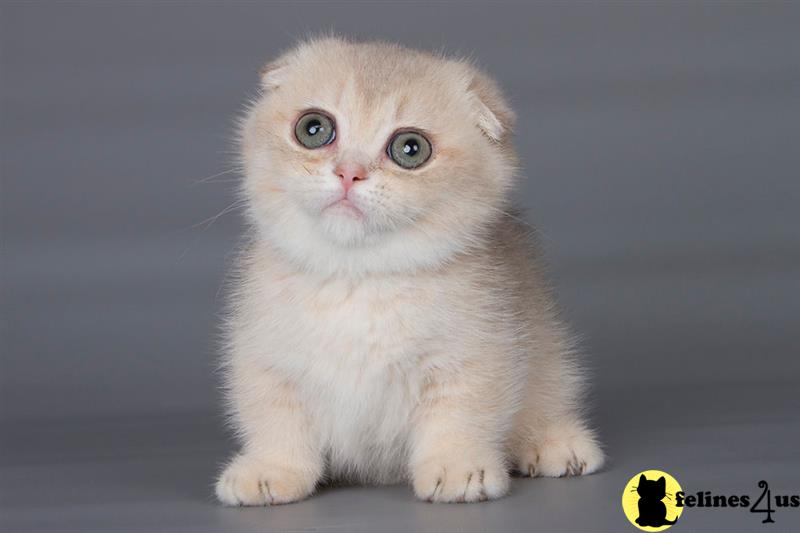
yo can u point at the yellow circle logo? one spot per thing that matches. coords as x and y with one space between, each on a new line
649 500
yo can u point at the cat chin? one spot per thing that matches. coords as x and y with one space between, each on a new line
342 245
344 228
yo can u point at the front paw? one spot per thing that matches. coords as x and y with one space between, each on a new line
446 479
565 450
248 481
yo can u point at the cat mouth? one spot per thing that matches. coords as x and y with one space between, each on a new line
345 207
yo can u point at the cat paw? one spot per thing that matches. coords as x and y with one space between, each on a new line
564 451
448 480
247 481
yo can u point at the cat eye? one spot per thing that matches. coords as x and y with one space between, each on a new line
409 149
314 130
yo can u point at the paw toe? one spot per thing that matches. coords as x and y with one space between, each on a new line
452 482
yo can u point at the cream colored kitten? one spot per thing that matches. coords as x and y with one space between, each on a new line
391 322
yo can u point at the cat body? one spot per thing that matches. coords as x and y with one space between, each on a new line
360 352
390 321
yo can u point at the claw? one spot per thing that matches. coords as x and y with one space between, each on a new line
265 492
435 490
463 497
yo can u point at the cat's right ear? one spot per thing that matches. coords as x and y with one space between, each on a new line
494 116
273 74
642 479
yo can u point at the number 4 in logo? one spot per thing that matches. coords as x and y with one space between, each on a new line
769 510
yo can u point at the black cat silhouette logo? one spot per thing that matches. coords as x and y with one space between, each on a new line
649 500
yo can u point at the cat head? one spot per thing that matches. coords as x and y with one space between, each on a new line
364 157
652 489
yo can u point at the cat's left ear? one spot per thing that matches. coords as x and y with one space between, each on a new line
494 116
662 482
273 74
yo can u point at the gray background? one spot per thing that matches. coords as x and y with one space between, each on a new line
660 145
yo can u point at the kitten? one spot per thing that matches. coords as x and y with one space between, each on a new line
390 321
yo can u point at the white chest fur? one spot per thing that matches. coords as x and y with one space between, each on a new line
356 352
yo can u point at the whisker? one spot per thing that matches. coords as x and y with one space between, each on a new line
214 176
502 212
238 204
210 220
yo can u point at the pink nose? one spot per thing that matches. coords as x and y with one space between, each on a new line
349 173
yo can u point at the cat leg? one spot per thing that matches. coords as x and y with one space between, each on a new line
457 450
550 436
278 462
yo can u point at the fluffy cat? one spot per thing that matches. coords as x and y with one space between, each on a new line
390 321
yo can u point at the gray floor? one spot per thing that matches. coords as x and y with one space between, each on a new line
155 473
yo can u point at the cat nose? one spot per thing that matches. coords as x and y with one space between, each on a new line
349 173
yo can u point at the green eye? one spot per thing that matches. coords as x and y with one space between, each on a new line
409 149
314 130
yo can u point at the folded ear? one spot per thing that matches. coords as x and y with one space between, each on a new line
273 74
494 116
